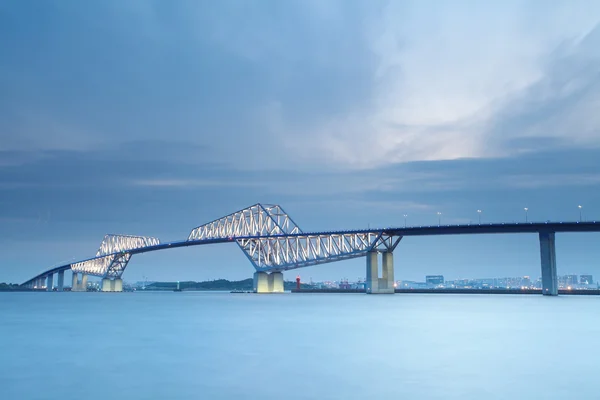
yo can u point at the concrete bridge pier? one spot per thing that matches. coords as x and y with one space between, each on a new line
61 280
385 284
112 285
276 282
74 281
79 285
49 282
548 258
268 282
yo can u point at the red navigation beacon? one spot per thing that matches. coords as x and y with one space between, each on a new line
298 282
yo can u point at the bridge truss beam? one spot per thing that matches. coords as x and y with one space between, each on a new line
113 255
257 220
118 243
280 253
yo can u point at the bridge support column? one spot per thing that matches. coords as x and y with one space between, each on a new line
385 284
372 272
79 285
74 281
61 280
276 282
107 285
112 285
548 258
268 283
261 282
387 271
49 282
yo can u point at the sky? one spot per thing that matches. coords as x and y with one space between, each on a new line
153 117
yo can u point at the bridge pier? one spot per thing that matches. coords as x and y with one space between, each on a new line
49 282
112 285
268 282
548 258
385 284
61 280
79 285
276 282
261 282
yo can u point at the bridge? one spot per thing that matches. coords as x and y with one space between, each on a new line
273 243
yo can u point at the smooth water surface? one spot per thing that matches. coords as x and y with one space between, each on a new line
297 346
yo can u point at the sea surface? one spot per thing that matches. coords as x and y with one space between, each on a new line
199 345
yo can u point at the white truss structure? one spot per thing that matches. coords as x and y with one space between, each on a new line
117 243
268 236
279 243
281 253
112 256
96 266
258 220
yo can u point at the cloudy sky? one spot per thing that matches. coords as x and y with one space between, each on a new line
153 117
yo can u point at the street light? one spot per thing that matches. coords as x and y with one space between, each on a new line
579 213
405 215
526 209
479 214
439 218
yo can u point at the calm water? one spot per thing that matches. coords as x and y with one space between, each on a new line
297 346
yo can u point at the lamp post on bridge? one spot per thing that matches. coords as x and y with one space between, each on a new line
479 215
579 213
405 215
526 209
439 218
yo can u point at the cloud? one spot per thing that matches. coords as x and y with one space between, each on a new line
560 109
191 183
302 85
453 84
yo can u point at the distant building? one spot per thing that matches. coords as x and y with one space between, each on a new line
586 279
571 280
434 280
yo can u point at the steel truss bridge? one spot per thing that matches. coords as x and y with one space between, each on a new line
273 242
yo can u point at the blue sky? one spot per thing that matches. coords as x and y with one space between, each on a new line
153 117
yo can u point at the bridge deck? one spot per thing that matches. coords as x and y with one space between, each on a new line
436 230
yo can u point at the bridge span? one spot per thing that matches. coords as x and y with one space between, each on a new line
273 243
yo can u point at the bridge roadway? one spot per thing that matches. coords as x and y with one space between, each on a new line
546 231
